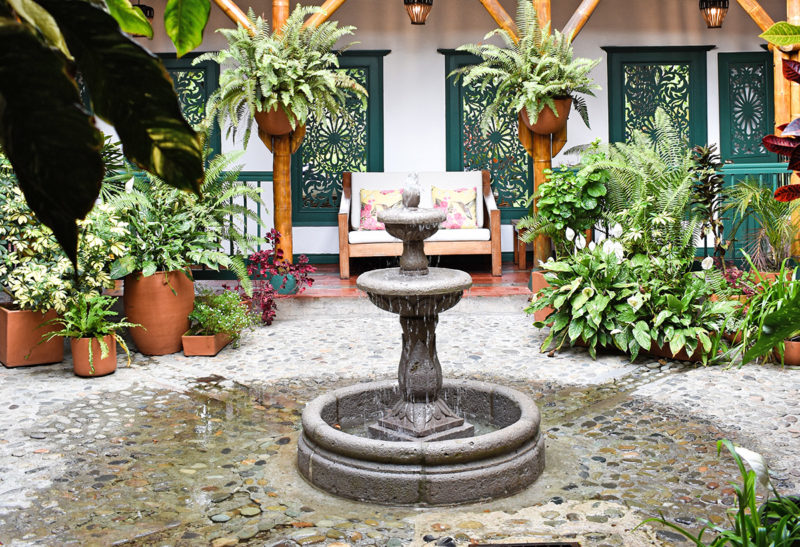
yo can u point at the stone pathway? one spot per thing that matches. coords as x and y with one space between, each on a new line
198 451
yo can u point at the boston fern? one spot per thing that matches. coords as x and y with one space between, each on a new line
295 69
530 73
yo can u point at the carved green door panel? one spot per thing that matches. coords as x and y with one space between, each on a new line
499 151
640 80
745 106
337 144
194 85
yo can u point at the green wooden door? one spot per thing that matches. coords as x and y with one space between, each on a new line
499 151
643 79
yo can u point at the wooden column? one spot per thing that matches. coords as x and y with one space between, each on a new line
541 161
282 159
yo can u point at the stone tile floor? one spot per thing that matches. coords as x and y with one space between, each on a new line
198 451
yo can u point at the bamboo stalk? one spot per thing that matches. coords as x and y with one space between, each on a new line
234 13
757 13
579 18
328 8
282 192
501 17
559 141
543 11
541 162
280 13
782 97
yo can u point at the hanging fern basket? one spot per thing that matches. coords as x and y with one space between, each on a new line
548 122
274 122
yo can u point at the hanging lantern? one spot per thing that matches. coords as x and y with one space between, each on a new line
714 12
148 11
418 10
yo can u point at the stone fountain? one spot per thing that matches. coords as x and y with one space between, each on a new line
420 446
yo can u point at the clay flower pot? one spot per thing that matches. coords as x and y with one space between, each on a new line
98 366
274 121
20 334
204 345
791 353
547 122
538 282
284 284
161 304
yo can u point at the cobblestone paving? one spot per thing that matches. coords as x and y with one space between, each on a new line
200 451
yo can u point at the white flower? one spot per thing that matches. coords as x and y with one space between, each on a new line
616 230
570 234
615 331
707 263
613 247
580 241
129 185
592 245
635 302
757 463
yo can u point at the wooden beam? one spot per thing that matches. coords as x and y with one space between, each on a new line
757 13
541 162
280 13
543 11
502 18
579 18
782 97
328 8
282 192
235 14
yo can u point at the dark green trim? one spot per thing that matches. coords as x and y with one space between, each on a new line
372 61
211 70
694 56
724 62
454 127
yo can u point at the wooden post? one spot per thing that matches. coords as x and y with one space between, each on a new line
757 13
328 8
282 159
579 18
782 97
280 13
543 11
235 14
541 162
501 17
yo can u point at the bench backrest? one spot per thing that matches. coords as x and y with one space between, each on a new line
450 180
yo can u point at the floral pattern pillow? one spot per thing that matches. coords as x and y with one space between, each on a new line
373 201
460 206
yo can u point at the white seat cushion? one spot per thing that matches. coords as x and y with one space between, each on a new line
371 236
463 234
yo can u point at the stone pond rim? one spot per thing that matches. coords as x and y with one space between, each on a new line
496 464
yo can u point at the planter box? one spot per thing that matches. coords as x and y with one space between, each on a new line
538 282
80 356
680 356
204 345
20 334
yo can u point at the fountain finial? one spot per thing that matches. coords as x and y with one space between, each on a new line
411 192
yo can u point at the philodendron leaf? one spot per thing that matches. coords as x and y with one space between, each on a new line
782 34
48 137
130 18
778 326
131 90
184 21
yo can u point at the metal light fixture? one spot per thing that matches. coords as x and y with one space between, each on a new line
148 11
418 10
714 12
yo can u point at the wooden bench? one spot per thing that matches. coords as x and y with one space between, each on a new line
476 241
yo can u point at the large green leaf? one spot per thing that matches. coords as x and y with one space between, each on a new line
778 326
37 16
131 90
48 137
184 21
130 18
782 34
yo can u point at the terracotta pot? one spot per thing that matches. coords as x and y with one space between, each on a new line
538 282
204 345
274 121
682 355
547 122
791 353
20 334
163 314
98 366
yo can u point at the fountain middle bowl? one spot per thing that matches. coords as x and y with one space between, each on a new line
495 464
439 290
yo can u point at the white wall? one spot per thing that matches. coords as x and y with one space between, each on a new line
414 87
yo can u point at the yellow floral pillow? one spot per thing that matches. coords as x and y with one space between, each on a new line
460 206
373 201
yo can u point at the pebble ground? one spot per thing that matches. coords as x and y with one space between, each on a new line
200 451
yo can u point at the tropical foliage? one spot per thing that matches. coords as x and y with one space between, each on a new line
531 72
708 197
50 138
293 69
220 313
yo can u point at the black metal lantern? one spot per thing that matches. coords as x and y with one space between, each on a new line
148 11
714 12
418 10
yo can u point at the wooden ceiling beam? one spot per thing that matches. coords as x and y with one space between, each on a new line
543 11
579 18
234 13
328 8
757 13
501 17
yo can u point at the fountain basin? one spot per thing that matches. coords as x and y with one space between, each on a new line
439 290
495 464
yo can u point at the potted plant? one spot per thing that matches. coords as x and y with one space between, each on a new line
216 321
170 230
93 336
38 277
536 77
279 77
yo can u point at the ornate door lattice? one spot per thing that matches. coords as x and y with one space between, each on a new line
642 80
499 150
745 106
333 145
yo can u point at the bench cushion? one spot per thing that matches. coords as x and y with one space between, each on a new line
464 234
396 181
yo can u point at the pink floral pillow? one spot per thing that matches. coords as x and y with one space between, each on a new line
373 201
460 205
